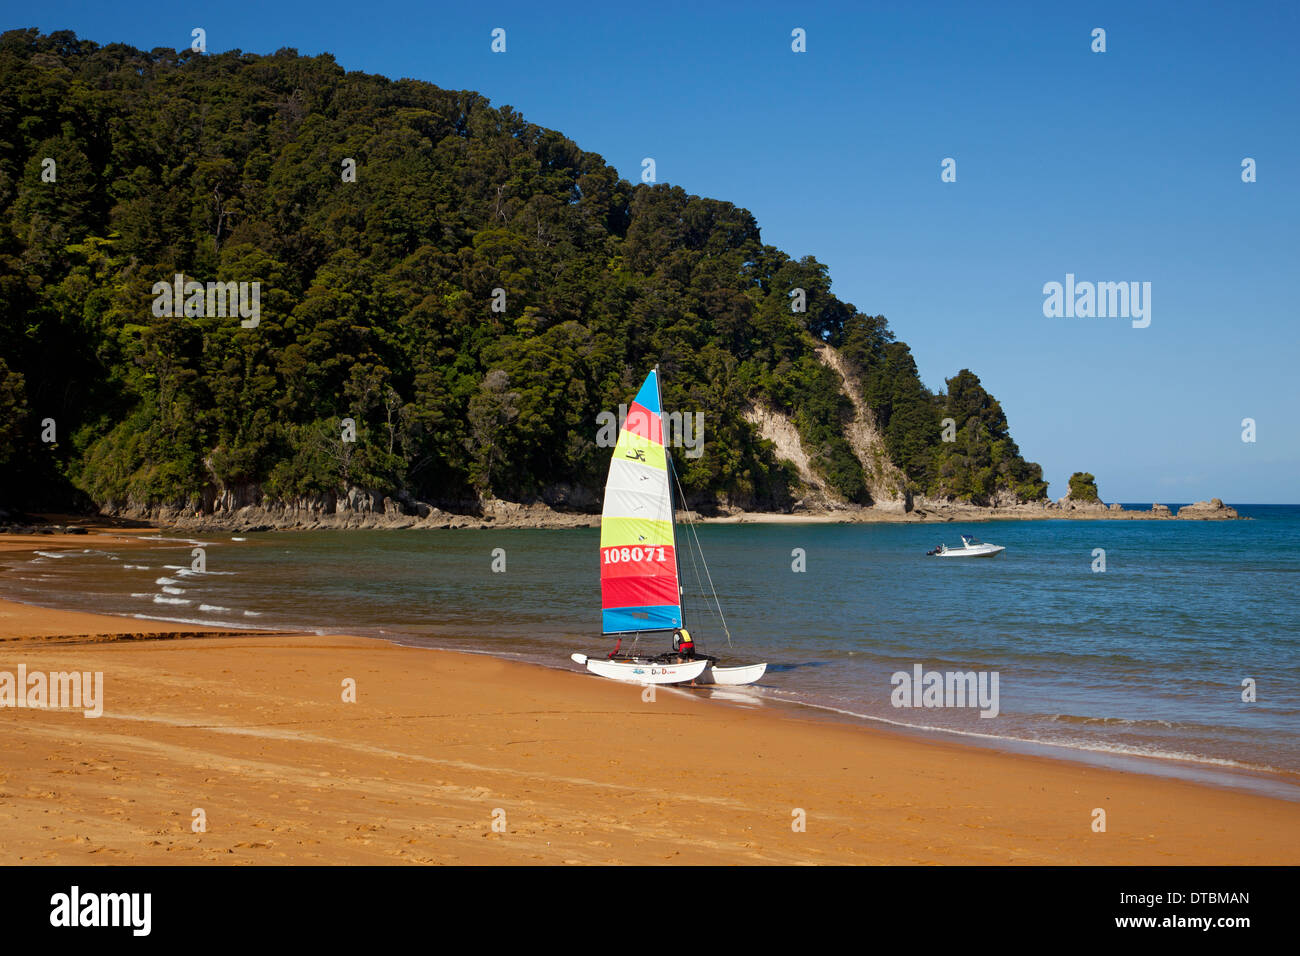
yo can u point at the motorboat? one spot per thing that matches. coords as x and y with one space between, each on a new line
970 548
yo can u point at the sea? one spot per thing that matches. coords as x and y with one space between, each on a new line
1159 647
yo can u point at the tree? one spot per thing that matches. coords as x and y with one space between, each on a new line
1083 487
377 293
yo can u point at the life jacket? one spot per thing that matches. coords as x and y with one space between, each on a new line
682 640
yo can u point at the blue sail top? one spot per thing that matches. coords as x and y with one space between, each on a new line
648 397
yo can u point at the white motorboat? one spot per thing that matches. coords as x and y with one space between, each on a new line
970 548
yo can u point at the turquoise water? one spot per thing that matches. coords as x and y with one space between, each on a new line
1145 659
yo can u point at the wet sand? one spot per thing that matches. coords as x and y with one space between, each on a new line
438 746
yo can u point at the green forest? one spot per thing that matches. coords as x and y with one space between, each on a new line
120 169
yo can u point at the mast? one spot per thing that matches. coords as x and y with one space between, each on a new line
672 509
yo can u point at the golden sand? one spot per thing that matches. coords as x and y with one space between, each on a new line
254 732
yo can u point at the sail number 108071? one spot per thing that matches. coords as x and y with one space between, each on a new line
617 555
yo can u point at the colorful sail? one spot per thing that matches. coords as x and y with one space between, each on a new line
638 558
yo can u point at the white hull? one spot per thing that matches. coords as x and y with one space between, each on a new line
642 672
742 674
979 551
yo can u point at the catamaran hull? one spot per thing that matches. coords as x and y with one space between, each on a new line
742 674
642 672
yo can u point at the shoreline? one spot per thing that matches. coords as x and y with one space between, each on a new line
1222 772
513 515
587 764
1272 782
1211 771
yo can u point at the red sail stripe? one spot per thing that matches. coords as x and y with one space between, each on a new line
644 423
638 592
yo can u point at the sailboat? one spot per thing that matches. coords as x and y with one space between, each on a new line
640 584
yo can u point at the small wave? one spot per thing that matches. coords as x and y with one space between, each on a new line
55 554
188 572
167 581
167 590
1107 721
190 620
1125 750
135 567
213 608
252 614
159 599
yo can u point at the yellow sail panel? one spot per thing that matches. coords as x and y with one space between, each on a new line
620 532
639 450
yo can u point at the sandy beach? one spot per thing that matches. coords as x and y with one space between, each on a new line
253 732
100 538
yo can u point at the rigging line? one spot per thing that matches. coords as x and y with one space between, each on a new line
695 568
703 560
699 581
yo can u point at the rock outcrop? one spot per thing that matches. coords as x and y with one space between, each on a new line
1069 504
248 509
1212 510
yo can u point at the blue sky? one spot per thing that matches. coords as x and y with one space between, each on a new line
1115 166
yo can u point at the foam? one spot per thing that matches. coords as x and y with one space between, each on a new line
1125 750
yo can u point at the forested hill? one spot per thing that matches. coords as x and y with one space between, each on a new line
120 169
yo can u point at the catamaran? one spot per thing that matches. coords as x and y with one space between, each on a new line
640 578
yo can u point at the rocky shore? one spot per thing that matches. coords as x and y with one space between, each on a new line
946 511
363 510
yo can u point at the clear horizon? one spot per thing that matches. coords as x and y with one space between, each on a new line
1122 166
